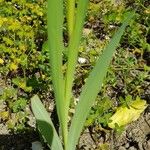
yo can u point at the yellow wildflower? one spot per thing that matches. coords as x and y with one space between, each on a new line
1 61
4 115
13 66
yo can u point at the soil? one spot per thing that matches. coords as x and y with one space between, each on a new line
17 141
136 136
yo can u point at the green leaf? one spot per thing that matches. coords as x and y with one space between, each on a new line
74 47
92 87
21 83
19 105
55 43
45 124
132 113
45 47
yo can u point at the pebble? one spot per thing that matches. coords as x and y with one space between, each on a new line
2 106
37 145
122 148
81 60
127 145
148 144
132 148
3 129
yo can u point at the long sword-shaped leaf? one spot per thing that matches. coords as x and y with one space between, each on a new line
55 43
92 87
73 47
45 124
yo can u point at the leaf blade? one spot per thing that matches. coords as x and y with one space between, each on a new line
45 124
92 87
55 43
73 48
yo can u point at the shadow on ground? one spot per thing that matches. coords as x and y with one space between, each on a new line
21 141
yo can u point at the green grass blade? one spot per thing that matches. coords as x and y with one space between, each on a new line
92 87
55 43
45 124
73 48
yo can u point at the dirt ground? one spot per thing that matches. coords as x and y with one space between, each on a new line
136 136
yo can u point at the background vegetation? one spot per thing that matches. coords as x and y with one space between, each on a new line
24 67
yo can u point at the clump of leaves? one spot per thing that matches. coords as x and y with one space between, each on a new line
20 54
101 112
21 22
22 84
62 83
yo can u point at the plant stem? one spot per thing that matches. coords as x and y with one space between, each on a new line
73 49
70 16
55 43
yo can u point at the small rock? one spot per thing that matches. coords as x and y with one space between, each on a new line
122 148
1 90
127 145
37 145
86 31
81 60
148 144
86 141
112 26
3 129
132 148
2 106
31 121
107 37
